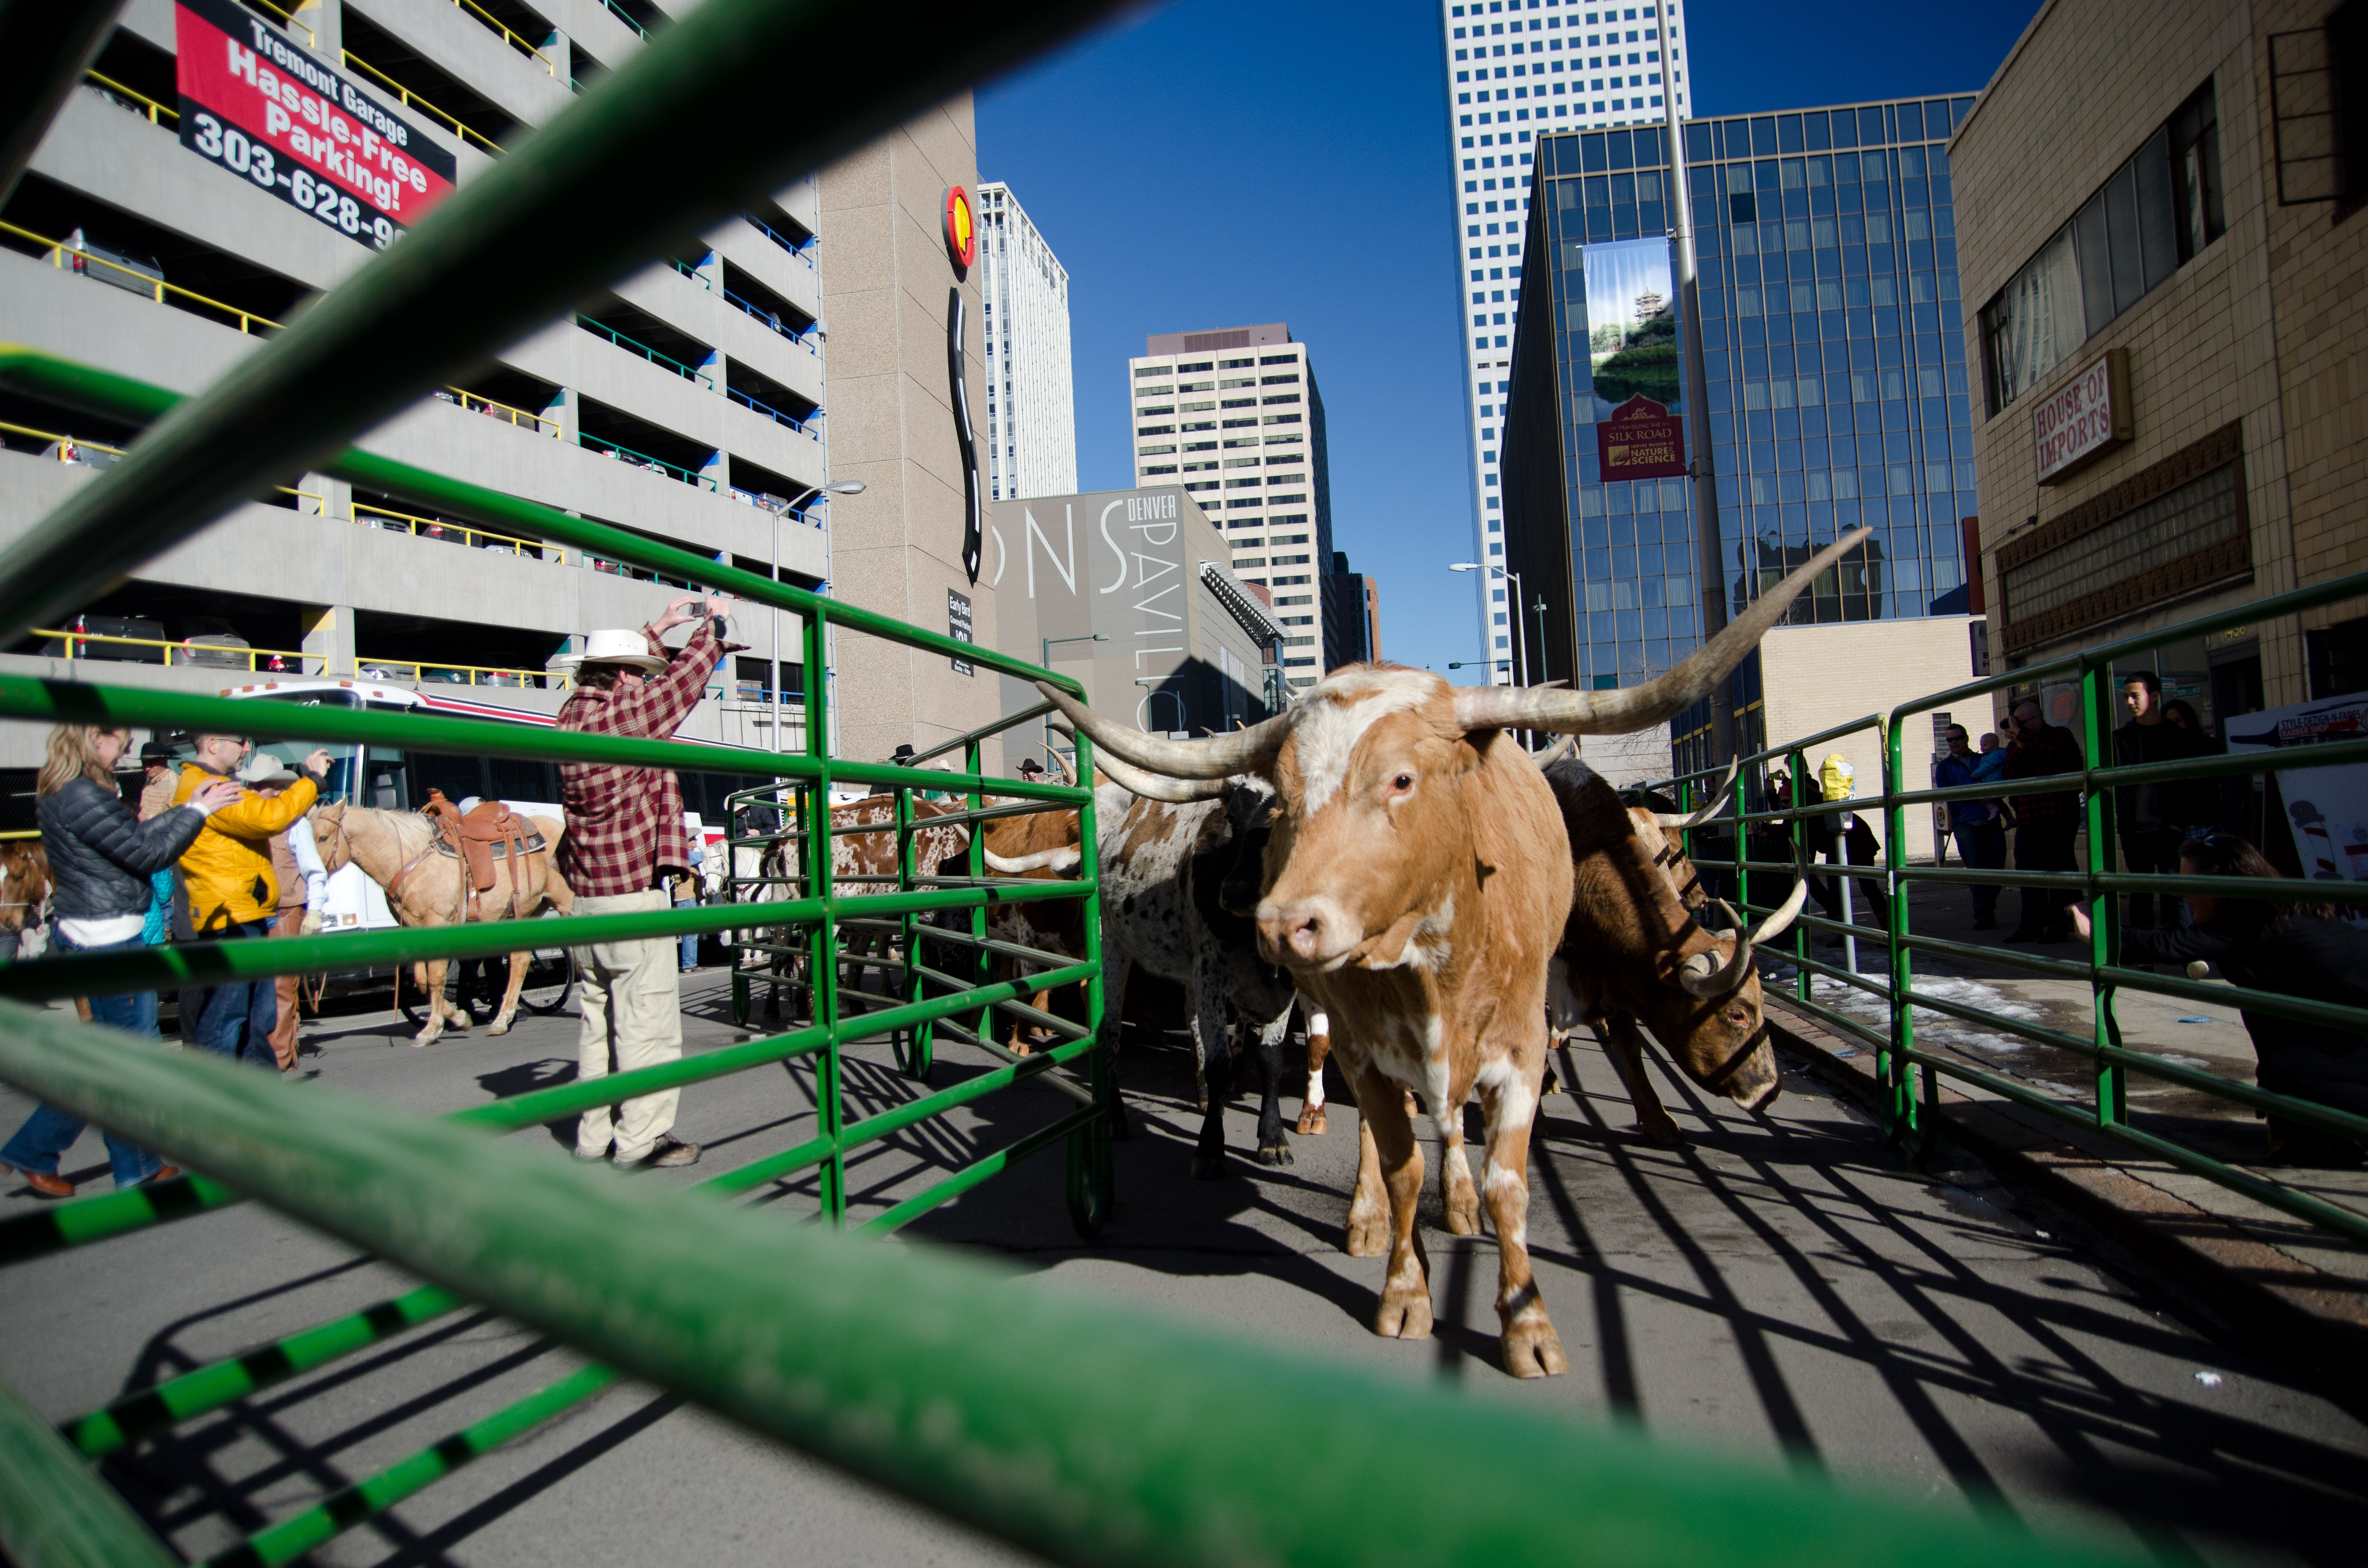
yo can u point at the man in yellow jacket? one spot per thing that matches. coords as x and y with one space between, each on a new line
232 894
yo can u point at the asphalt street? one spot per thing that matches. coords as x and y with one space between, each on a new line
1784 1286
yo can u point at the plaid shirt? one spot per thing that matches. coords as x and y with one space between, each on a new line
2055 752
625 823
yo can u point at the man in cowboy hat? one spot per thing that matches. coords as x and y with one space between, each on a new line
625 842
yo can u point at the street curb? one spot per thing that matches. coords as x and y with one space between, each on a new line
2317 1316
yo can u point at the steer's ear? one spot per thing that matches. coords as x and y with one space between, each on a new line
1473 747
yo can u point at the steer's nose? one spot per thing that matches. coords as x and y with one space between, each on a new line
1309 931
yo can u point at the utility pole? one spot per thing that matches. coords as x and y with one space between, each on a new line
1709 556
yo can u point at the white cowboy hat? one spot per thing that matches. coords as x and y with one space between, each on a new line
265 769
619 647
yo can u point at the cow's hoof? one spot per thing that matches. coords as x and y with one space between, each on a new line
1368 1236
502 1027
1404 1315
1311 1123
1275 1153
1021 1047
1208 1168
1464 1213
424 1039
1664 1132
1533 1349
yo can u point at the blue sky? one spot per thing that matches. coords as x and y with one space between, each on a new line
1214 163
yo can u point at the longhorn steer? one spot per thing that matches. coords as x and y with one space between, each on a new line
1167 852
1416 881
1634 950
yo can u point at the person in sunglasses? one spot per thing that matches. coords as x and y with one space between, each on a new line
2289 950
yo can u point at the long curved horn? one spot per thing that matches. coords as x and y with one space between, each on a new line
1780 918
1059 860
1218 757
1702 975
1152 786
1718 804
1642 706
1556 753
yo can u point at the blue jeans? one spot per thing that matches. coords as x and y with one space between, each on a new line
1981 847
49 1132
234 1020
690 938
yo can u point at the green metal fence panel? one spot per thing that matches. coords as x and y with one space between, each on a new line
54 1513
1910 1075
1123 1446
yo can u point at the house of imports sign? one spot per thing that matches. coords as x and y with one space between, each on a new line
2087 417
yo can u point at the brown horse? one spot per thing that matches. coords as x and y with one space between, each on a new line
397 851
24 888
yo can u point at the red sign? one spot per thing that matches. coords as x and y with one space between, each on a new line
2087 417
253 103
1641 440
962 228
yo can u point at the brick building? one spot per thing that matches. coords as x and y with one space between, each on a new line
2162 261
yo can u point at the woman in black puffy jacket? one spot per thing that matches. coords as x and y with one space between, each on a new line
100 859
2289 950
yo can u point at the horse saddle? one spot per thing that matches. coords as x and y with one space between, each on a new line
489 831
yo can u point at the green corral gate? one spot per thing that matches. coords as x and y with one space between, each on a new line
1087 1432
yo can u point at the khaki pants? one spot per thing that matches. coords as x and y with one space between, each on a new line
631 996
283 1033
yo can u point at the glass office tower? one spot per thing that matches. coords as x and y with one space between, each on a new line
1833 343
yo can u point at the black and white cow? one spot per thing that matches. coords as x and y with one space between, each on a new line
1165 862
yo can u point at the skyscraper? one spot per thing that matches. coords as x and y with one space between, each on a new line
1222 412
1601 66
1031 408
1834 345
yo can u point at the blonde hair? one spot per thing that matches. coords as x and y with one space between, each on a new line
74 755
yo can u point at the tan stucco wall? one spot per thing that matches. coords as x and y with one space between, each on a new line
897 547
1818 677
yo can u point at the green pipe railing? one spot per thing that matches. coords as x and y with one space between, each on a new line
881 1361
1121 1447
1903 1066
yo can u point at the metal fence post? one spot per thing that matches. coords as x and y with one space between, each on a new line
1797 829
823 942
2105 916
982 960
1898 1071
1091 1163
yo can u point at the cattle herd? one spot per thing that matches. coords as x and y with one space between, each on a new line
1385 858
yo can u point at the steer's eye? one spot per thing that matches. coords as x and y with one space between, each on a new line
1402 784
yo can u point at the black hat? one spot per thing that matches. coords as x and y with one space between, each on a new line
901 753
1030 764
156 751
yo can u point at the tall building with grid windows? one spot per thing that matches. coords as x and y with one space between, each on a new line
1833 338
1233 415
1517 70
1031 409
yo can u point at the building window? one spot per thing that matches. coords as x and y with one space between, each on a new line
2158 211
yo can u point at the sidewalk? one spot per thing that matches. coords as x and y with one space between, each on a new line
2266 1269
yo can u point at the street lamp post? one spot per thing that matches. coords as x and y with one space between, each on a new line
844 487
1520 638
1045 658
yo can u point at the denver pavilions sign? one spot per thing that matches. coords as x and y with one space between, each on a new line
1641 440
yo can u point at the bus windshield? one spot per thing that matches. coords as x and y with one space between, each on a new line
344 756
